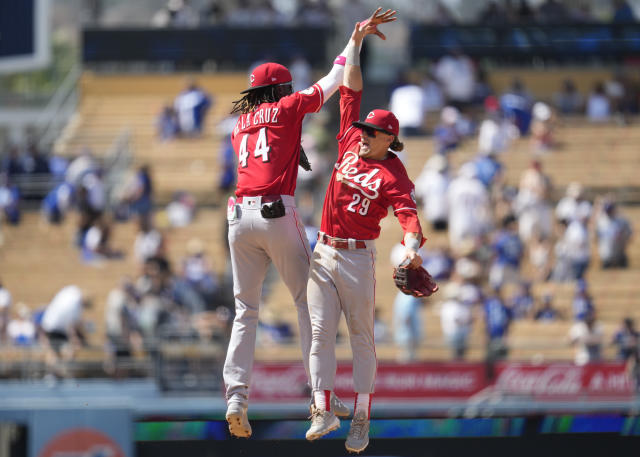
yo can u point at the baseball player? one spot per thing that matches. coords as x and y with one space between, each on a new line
368 177
264 225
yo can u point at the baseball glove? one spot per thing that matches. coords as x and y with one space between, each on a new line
414 281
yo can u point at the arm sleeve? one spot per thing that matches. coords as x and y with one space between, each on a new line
329 84
309 100
402 200
349 110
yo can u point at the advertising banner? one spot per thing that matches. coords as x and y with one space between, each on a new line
564 380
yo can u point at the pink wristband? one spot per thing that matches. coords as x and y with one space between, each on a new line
340 60
364 23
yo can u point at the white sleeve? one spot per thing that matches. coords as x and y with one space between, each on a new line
330 83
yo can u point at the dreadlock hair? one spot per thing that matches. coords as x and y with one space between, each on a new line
396 145
256 97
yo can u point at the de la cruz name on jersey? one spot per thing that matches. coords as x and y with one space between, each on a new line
361 190
267 143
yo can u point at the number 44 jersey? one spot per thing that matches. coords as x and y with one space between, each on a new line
361 190
267 143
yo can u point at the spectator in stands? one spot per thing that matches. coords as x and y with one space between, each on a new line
457 75
167 126
456 319
489 168
5 309
493 14
124 337
613 234
469 207
272 329
432 94
552 12
627 340
407 326
57 202
496 132
446 135
176 13
33 161
62 325
197 271
572 251
508 251
192 106
57 165
497 317
516 104
623 12
96 245
522 303
314 13
431 188
540 258
84 163
21 330
139 193
181 209
11 164
9 201
598 104
568 101
587 336
547 312
542 127
582 303
532 203
149 242
439 263
573 205
407 99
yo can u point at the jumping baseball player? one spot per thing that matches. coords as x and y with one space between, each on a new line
263 223
367 178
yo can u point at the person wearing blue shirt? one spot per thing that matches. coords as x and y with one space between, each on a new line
498 317
582 303
508 250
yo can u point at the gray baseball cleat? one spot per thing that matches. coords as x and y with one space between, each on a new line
322 422
238 421
358 438
339 409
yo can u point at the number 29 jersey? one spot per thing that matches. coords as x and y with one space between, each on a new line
361 190
267 143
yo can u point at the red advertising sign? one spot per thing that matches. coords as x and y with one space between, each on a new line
393 381
563 380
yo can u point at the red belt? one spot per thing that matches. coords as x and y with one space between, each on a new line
340 243
265 198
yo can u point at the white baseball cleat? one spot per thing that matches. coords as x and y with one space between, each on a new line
358 438
322 422
238 421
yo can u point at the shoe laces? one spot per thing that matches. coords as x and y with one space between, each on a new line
316 414
358 425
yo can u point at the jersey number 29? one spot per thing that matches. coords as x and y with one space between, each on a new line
262 148
364 205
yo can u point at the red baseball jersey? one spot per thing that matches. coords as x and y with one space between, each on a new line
361 190
267 143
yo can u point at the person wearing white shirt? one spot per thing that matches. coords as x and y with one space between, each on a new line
62 323
456 319
469 207
573 205
431 187
408 101
587 337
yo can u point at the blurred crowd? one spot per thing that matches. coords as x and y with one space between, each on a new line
503 239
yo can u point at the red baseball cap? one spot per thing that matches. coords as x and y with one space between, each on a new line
382 120
268 74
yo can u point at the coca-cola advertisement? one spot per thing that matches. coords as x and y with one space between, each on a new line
287 381
564 380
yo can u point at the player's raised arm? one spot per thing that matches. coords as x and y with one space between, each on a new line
329 83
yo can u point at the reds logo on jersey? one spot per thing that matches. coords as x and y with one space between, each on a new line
350 175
